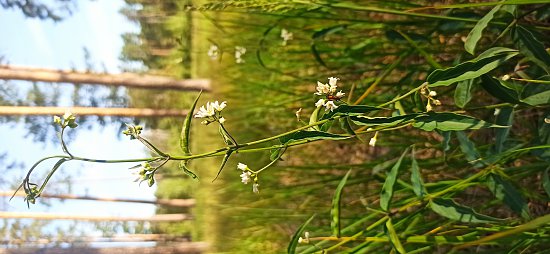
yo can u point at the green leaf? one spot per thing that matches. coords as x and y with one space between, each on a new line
476 33
394 239
226 137
294 241
446 121
387 188
382 121
504 117
346 125
183 166
224 161
546 182
310 136
507 193
335 210
313 119
531 47
350 110
468 148
463 92
416 178
538 99
451 210
185 130
497 89
484 63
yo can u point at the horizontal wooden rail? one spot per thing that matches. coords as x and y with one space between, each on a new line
86 111
55 216
165 202
8 72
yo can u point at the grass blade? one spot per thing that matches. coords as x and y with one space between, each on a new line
184 137
294 242
416 178
394 239
335 210
387 188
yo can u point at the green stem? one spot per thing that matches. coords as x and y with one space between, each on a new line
402 96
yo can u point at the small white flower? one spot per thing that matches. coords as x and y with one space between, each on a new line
332 81
372 141
219 106
242 166
298 114
255 188
547 120
429 107
207 111
330 105
433 93
322 88
332 89
245 177
340 94
497 111
286 35
505 77
437 102
320 103
57 119
221 120
239 52
213 52
67 115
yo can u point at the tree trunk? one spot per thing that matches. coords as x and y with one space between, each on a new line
124 79
165 202
85 111
53 216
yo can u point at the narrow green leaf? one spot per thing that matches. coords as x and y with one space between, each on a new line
335 210
350 110
446 121
224 161
382 121
484 63
507 193
387 188
416 178
294 241
183 166
225 136
497 89
531 47
468 148
476 33
311 136
505 117
463 92
394 239
313 118
538 99
346 125
451 210
185 130
534 224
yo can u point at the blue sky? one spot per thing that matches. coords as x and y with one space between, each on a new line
95 25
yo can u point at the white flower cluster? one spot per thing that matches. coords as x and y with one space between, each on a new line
286 35
212 112
247 176
329 90
213 52
239 52
431 97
